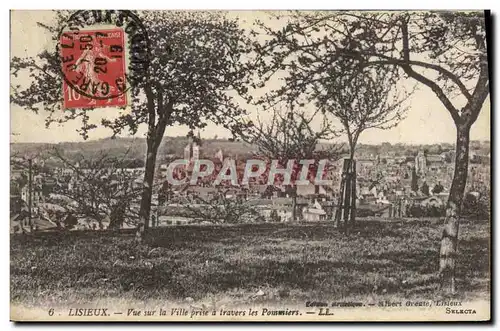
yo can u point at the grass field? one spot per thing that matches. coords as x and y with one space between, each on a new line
397 258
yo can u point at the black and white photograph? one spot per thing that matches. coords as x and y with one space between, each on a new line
250 165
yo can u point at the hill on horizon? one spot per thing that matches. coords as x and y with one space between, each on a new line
135 147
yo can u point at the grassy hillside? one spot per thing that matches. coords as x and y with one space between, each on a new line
380 259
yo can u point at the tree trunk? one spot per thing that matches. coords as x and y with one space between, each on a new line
354 192
352 179
347 197
147 190
341 199
294 203
30 193
116 217
449 239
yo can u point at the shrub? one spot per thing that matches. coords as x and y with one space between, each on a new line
417 210
476 207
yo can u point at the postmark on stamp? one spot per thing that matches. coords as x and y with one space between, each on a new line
102 53
94 67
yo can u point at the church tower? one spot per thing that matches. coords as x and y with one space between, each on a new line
421 164
188 150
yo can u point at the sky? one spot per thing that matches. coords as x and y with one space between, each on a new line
426 122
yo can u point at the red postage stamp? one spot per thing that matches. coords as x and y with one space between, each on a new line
93 67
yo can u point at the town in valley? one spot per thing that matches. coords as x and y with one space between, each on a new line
393 181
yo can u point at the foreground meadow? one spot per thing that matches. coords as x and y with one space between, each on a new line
240 263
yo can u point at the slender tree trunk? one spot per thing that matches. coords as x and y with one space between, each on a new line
147 190
354 192
449 239
30 193
350 200
155 136
294 203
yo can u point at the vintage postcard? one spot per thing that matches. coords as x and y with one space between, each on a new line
250 166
